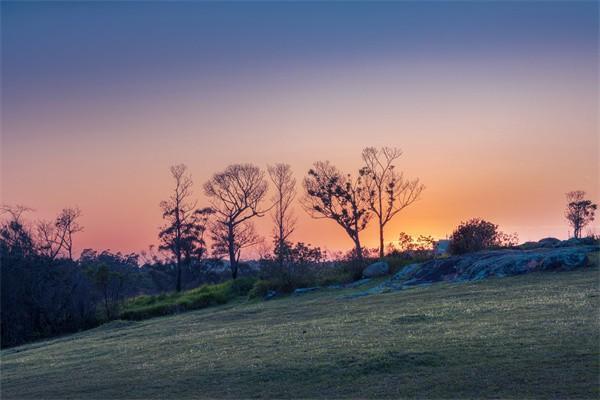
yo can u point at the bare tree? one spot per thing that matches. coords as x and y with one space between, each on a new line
236 195
389 191
56 238
329 194
67 222
580 212
283 217
245 237
182 235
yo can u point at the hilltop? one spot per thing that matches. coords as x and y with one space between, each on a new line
534 335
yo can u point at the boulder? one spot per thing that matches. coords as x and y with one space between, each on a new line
487 263
271 294
374 270
305 290
548 242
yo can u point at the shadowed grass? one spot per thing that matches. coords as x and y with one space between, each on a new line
532 336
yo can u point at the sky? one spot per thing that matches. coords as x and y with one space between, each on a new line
494 104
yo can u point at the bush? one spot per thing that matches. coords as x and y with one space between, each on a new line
143 307
478 234
260 289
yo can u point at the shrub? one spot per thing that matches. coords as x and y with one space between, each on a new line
260 289
143 307
478 234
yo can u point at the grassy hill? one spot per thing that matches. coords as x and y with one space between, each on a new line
521 337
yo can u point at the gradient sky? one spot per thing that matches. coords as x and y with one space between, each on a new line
495 105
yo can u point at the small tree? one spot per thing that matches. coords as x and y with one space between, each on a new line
341 198
580 212
182 235
236 196
389 191
111 286
474 235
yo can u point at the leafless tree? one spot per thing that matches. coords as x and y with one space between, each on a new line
236 196
182 235
580 212
245 237
342 198
55 238
67 222
389 191
283 216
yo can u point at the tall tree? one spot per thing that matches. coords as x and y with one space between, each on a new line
342 198
283 217
236 196
389 191
580 212
182 235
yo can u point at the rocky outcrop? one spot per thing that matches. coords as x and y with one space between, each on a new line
490 263
377 269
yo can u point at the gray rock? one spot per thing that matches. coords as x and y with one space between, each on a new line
548 242
271 294
358 283
374 270
484 264
305 290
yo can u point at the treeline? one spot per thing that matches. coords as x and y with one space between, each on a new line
45 291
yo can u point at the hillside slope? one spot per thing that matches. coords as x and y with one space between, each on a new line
529 336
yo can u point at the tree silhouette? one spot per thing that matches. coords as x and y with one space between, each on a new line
283 217
579 212
389 192
236 195
342 198
183 234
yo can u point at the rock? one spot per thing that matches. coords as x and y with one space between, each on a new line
271 294
305 290
374 270
548 242
488 263
358 283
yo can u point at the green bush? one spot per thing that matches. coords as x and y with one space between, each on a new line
143 307
260 289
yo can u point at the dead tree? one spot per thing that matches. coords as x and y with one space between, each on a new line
389 191
283 217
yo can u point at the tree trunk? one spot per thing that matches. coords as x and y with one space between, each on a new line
231 249
178 285
381 251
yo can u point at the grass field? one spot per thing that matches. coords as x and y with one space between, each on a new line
533 336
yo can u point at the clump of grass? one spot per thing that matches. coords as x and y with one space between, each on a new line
144 307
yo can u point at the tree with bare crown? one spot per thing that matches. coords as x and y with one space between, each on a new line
389 191
182 235
580 211
283 216
341 198
236 195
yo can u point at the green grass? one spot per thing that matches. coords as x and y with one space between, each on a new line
532 336
144 307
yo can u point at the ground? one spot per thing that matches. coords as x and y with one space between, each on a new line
531 336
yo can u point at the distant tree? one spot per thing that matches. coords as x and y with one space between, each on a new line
55 238
283 217
341 198
111 285
182 235
15 235
389 191
474 235
236 196
580 212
